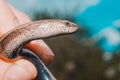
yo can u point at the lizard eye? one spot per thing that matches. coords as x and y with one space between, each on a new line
67 23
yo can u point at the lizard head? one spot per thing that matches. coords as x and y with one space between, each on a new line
58 27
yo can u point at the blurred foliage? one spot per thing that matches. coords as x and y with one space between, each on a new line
76 58
83 60
74 61
44 15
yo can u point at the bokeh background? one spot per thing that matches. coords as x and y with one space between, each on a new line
91 54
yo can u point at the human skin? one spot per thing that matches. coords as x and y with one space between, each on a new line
20 69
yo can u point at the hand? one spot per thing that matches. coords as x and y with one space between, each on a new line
21 69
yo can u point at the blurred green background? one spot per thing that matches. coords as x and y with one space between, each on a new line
76 56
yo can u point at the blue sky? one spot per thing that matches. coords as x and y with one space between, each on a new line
64 7
102 23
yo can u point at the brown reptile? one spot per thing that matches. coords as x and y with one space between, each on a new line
12 43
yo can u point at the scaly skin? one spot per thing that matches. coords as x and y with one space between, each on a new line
12 42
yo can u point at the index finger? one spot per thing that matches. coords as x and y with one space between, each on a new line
7 17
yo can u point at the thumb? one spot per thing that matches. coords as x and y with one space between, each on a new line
21 70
